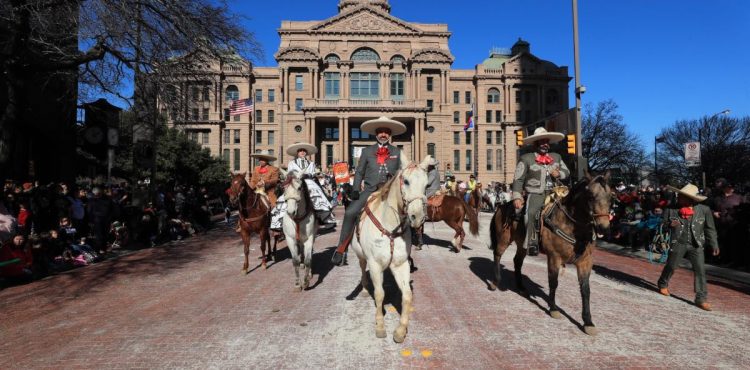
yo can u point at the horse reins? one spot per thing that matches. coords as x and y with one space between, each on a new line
398 231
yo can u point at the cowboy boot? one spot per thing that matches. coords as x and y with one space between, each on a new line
533 249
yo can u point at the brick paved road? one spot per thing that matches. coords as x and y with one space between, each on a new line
186 305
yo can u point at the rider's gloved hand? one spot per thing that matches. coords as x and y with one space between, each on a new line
354 195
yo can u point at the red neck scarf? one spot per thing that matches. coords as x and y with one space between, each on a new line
686 212
382 154
263 169
543 159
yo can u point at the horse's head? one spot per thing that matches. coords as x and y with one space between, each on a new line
294 193
413 189
237 187
599 199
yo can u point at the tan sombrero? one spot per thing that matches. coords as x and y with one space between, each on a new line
690 191
294 148
396 127
541 133
264 155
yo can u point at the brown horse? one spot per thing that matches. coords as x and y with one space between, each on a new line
570 222
452 211
255 217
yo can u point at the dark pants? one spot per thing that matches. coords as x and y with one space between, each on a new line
699 269
353 210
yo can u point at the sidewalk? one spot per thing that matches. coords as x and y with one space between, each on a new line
711 270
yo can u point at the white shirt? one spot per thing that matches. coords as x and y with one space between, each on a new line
302 166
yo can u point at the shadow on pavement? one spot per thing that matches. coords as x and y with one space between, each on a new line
632 280
322 265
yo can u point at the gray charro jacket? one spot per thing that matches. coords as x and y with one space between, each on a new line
369 171
433 182
532 177
702 226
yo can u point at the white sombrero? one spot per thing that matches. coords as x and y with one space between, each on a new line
690 191
541 133
294 148
432 161
265 155
396 127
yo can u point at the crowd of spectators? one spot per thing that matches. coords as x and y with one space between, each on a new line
47 228
636 218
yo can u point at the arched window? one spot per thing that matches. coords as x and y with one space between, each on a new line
365 54
431 149
397 59
332 58
493 95
233 93
553 97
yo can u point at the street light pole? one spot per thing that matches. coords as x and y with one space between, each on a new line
700 142
657 140
579 90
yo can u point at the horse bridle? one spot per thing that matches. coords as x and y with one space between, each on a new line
308 209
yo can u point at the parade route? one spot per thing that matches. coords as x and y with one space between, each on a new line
186 305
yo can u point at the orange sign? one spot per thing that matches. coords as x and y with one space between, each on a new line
341 172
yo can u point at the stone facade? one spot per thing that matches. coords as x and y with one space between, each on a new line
363 63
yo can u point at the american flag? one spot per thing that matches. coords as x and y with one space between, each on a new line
241 106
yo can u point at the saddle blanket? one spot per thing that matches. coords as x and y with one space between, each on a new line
436 200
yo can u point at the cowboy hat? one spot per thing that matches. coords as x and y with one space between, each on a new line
690 191
396 127
541 133
431 161
264 155
294 148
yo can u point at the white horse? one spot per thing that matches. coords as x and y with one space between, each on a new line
383 237
299 225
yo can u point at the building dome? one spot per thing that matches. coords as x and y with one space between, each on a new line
349 4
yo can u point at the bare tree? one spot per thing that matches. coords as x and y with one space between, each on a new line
607 142
105 45
725 150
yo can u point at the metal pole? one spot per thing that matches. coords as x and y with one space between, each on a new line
578 91
656 163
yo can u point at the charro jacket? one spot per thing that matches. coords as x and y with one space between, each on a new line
369 171
270 179
701 226
533 177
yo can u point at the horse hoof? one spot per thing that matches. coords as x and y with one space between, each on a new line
555 314
419 247
398 337
380 333
244 271
590 330
492 287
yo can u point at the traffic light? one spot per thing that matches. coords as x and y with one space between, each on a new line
571 143
519 137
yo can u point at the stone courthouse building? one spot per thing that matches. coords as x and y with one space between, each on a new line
363 63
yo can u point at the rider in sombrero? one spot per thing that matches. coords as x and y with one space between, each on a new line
306 170
377 164
265 177
536 174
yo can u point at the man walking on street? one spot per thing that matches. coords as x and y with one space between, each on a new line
377 164
692 227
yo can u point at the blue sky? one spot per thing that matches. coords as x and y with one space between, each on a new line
660 60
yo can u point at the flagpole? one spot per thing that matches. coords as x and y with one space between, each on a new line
476 137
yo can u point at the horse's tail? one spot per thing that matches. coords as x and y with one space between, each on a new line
473 219
493 232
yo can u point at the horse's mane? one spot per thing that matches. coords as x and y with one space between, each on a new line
381 194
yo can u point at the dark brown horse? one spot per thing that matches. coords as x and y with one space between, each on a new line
570 222
255 217
452 211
